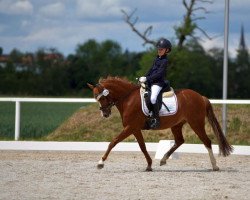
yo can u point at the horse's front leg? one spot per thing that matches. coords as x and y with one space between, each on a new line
124 134
139 137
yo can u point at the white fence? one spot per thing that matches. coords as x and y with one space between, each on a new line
81 100
159 148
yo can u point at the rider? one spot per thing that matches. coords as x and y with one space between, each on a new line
156 75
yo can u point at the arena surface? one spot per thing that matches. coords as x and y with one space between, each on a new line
73 175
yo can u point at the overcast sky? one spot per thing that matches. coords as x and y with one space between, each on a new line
30 24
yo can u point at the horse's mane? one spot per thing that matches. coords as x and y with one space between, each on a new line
118 81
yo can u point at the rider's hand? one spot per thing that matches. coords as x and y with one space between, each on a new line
143 79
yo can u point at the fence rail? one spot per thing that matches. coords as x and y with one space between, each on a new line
159 148
18 101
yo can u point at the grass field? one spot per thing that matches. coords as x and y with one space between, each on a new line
37 119
96 128
67 122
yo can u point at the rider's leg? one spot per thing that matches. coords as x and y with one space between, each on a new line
155 90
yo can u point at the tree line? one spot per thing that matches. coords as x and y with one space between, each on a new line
47 72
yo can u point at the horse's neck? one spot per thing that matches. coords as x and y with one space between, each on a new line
119 91
120 95
116 91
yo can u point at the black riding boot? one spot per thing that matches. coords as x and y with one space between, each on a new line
155 121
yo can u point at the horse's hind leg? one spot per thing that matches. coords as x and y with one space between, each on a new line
179 140
199 129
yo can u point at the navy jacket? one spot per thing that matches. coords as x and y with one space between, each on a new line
157 73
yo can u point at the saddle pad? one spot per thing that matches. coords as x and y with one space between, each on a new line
170 102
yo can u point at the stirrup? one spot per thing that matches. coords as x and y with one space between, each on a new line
154 123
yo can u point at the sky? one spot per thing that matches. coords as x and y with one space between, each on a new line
63 24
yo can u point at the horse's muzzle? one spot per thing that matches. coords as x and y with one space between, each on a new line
105 112
106 115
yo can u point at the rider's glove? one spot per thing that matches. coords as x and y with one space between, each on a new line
143 79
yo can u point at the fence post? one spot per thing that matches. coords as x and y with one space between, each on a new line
17 121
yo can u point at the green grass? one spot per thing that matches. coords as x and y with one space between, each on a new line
7 120
37 119
67 122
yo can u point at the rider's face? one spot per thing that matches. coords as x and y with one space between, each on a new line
162 51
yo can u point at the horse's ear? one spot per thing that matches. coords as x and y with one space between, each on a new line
90 86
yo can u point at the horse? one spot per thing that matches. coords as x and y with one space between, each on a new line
192 109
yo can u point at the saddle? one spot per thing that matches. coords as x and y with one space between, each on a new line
166 92
167 101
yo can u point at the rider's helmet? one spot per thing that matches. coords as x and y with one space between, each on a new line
164 43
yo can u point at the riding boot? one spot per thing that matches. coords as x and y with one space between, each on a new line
155 121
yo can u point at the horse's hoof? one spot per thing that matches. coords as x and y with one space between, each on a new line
216 168
163 162
100 166
149 169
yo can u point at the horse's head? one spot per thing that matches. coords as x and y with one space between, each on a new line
102 95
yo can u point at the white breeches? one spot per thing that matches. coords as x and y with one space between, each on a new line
155 90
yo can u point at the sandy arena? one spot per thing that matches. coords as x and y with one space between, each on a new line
73 175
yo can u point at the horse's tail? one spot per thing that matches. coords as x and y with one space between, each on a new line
225 147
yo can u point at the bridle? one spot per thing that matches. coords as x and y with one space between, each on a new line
105 93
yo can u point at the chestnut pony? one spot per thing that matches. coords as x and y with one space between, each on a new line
192 109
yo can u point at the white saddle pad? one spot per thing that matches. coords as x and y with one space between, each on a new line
170 102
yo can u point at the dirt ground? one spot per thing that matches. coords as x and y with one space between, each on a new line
73 175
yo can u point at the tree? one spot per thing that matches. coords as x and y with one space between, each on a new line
241 71
93 60
192 68
51 72
216 57
187 27
146 61
16 56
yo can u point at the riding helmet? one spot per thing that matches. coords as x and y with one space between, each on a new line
164 43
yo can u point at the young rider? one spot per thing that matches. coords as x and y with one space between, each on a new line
156 76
